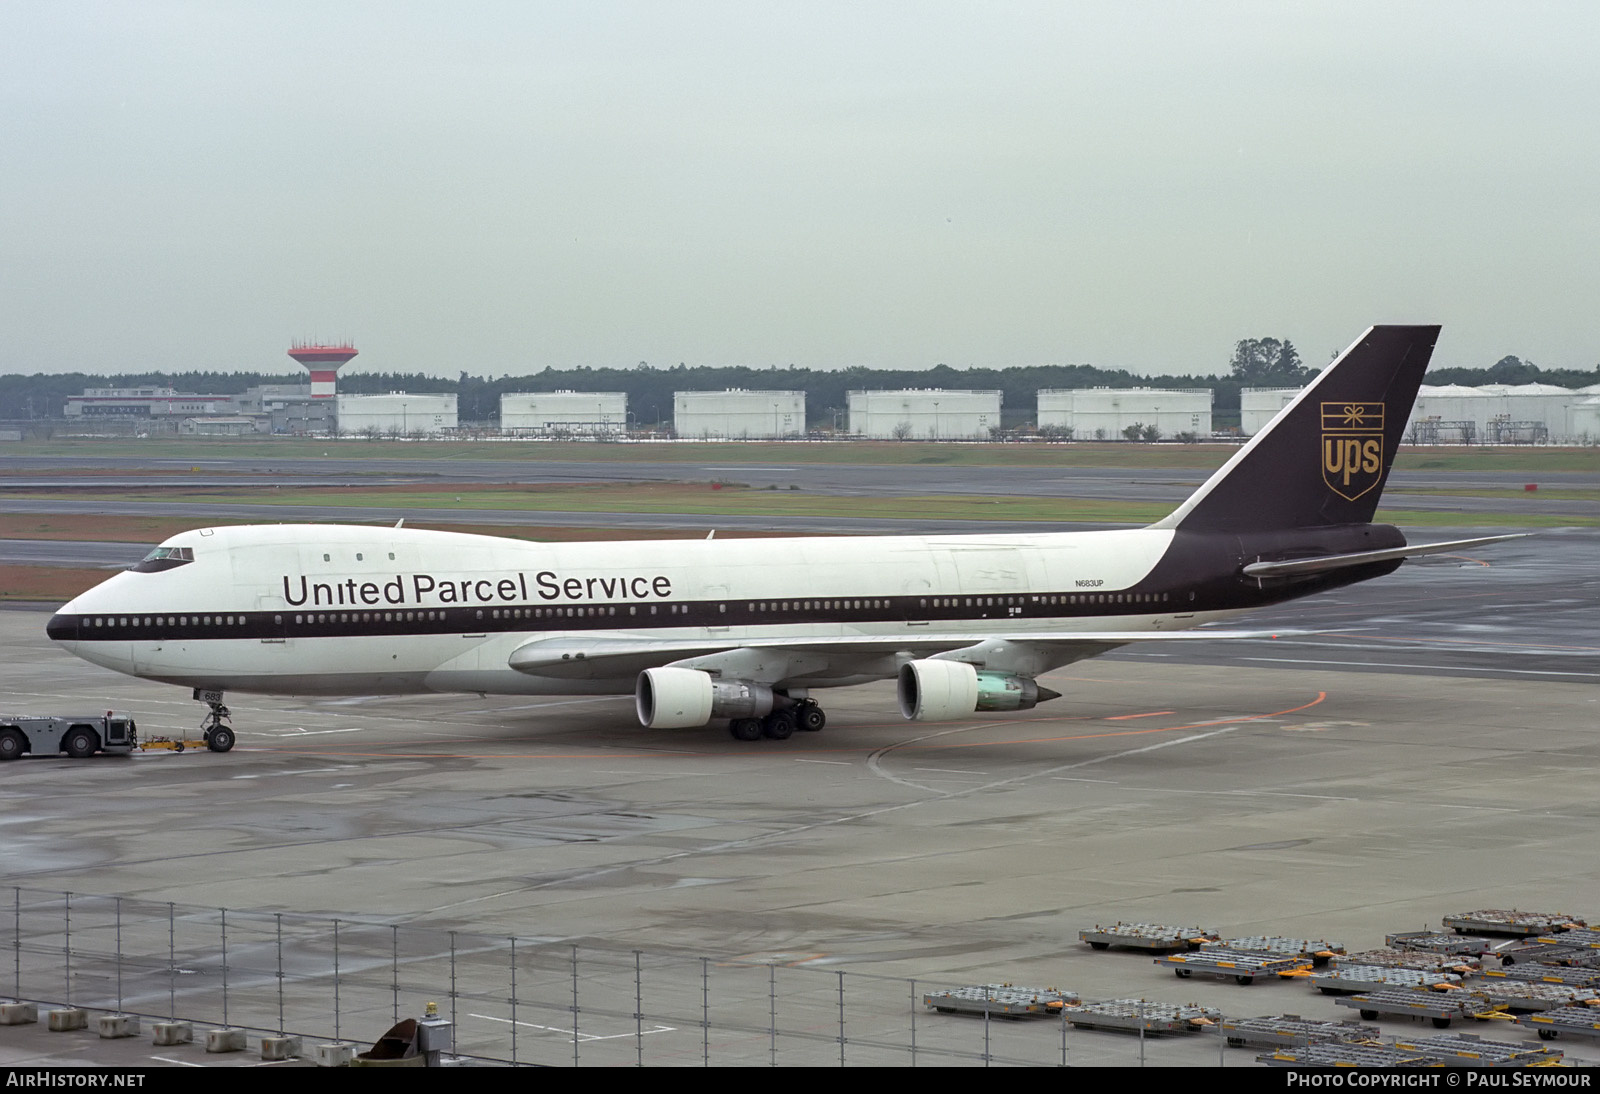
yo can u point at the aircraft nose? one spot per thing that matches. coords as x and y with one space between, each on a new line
62 627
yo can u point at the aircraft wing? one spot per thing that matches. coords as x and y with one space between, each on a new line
1324 563
776 660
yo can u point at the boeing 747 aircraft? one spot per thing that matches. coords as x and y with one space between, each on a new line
749 630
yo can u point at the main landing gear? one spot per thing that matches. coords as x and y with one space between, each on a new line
804 715
215 730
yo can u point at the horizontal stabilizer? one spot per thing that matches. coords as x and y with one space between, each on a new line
1298 566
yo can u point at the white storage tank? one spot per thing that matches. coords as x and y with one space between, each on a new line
1496 414
925 414
558 413
1583 418
1259 405
398 413
1102 413
737 414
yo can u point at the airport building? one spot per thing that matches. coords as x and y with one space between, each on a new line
146 402
735 413
1102 413
564 413
925 414
218 426
398 413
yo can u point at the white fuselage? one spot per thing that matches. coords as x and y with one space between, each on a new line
332 609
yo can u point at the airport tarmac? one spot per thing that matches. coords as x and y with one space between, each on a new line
1420 745
1439 756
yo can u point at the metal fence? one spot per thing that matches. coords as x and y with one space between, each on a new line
512 1000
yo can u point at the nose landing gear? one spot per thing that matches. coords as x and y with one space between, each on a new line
216 732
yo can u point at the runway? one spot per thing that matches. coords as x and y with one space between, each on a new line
1155 485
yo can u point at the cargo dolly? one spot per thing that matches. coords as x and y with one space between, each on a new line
1147 936
1140 1015
1343 1055
1511 921
1573 1021
1473 1051
1531 995
1442 1007
1291 1030
1578 936
1546 952
1320 952
1000 1001
1354 978
1566 975
1441 942
1243 967
1428 960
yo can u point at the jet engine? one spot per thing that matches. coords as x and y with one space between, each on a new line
672 698
932 690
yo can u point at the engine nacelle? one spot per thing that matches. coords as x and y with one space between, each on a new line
936 689
672 698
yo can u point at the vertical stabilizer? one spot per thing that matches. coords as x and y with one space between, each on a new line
1326 456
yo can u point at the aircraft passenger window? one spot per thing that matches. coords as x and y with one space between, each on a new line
277 619
391 556
325 558
358 556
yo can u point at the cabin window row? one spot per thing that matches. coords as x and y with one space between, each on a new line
817 605
168 621
367 617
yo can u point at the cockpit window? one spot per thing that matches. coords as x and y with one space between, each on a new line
164 558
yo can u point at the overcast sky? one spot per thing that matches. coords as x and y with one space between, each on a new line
500 187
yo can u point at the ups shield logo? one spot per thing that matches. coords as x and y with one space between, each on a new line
1352 447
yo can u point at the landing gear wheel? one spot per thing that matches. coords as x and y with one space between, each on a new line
215 730
12 744
1441 1023
745 729
779 725
1183 974
82 741
810 718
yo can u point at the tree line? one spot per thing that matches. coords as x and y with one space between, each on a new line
1263 362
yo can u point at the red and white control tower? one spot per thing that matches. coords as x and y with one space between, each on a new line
324 362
